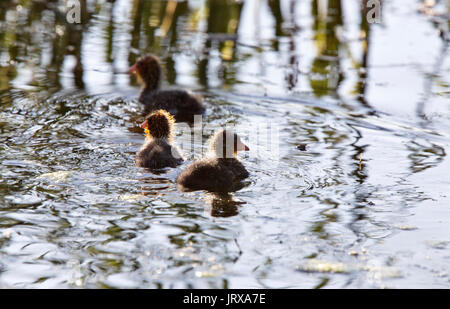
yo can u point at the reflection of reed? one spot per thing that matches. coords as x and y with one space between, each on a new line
180 9
23 46
292 75
136 17
326 66
110 34
154 26
443 25
424 155
168 17
275 9
363 66
222 27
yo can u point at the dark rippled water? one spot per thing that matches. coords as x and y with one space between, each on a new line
364 205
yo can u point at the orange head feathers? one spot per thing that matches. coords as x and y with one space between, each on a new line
159 124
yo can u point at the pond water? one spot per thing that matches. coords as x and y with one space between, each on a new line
365 205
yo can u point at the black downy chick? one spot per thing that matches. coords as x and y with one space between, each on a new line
157 152
180 103
220 172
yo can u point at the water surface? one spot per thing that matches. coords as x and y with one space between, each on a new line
364 206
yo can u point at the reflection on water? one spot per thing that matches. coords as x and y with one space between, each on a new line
223 205
357 207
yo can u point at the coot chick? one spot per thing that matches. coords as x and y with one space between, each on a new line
180 103
220 172
157 152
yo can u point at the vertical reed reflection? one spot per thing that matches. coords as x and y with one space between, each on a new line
363 67
293 71
275 9
33 31
75 35
222 27
136 18
174 11
326 72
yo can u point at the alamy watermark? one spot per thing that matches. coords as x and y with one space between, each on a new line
73 8
262 140
374 13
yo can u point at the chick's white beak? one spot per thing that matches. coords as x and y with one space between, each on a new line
242 147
